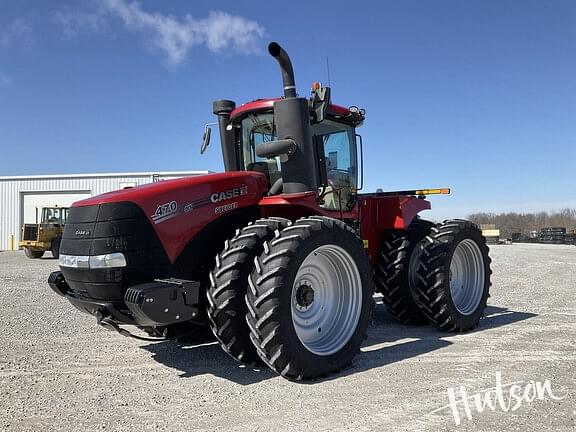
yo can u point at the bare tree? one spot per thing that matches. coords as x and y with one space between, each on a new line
509 223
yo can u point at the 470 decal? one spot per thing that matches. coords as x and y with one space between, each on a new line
170 209
165 211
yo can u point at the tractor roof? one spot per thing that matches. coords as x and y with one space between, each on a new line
335 111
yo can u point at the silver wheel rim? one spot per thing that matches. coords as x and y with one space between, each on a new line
326 300
467 276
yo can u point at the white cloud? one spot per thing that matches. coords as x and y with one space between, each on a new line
174 36
17 33
74 22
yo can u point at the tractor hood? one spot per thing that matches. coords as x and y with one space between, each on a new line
178 209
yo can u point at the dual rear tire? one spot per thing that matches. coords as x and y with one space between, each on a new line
435 273
453 276
395 273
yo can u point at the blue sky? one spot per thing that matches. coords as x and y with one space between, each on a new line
479 96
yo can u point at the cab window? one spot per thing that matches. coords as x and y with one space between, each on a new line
55 215
256 129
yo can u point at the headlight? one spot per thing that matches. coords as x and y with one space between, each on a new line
112 260
74 261
115 259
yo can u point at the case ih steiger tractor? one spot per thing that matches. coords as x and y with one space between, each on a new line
279 254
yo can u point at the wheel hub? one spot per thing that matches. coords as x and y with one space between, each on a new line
304 296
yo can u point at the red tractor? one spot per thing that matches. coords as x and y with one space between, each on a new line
280 254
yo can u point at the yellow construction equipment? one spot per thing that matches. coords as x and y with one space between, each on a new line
45 236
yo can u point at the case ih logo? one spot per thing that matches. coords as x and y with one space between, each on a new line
165 211
229 194
215 198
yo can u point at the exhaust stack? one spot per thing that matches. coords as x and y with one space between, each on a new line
283 60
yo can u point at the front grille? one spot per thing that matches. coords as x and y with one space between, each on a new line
107 228
30 232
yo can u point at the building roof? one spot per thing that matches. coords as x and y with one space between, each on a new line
98 175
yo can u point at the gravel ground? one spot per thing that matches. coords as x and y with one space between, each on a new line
59 371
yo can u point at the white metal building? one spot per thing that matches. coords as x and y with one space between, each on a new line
20 196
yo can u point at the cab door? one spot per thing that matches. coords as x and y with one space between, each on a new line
338 142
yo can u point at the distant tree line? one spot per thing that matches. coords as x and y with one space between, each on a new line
509 223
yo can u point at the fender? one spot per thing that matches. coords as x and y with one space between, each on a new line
378 214
298 205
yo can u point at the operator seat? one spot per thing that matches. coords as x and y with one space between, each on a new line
269 168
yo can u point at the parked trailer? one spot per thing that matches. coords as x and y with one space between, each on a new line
555 235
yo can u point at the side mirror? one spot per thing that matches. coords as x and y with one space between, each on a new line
206 138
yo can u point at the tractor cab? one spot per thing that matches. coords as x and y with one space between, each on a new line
335 143
54 215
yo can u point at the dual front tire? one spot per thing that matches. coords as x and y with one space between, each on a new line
308 300
228 282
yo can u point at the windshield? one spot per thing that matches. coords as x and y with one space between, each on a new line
55 215
339 151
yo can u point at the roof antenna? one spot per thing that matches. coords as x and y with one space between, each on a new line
328 70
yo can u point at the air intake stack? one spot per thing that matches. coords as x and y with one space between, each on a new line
292 118
222 108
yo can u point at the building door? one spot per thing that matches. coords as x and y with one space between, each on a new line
33 202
